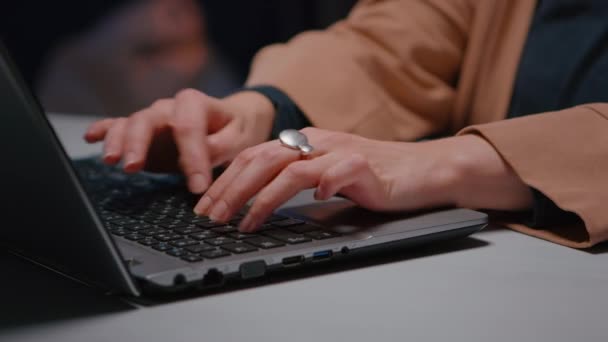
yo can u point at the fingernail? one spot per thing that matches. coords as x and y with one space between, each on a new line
130 159
203 206
245 224
110 158
318 194
218 212
198 183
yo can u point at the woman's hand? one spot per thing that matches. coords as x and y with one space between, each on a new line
384 176
191 132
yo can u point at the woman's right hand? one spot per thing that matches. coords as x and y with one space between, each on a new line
191 133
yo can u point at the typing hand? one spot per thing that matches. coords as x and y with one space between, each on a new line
378 175
191 133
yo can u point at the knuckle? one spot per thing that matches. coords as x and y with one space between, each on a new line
187 93
140 115
229 203
358 161
100 125
329 177
267 154
182 125
104 122
120 122
161 104
260 206
247 155
187 165
330 139
297 170
309 130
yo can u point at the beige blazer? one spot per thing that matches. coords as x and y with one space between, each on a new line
402 70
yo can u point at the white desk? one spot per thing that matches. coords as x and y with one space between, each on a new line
496 286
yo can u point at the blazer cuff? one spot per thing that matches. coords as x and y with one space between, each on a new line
545 213
561 154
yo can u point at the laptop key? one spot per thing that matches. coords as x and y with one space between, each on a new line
199 248
275 217
235 221
154 231
209 224
214 254
241 236
113 217
303 228
203 235
239 248
119 231
168 221
148 241
167 237
266 226
155 219
190 229
191 258
287 223
134 236
289 237
176 252
199 219
163 246
138 226
184 242
321 235
220 240
174 226
224 229
124 222
265 242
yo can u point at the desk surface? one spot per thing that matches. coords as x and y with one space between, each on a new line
495 286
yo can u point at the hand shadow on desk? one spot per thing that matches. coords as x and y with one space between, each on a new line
32 295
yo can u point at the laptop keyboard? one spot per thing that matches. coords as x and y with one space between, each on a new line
156 212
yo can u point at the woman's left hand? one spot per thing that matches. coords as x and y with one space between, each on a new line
377 175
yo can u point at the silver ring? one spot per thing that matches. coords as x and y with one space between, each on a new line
295 140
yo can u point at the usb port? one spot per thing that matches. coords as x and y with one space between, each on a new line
293 260
322 255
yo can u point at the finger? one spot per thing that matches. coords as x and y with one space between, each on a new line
113 145
252 170
222 145
353 178
190 131
97 131
296 177
141 128
217 188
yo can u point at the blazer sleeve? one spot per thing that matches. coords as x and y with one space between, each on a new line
564 155
387 71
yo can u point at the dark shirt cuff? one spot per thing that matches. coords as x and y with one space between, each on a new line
546 213
288 114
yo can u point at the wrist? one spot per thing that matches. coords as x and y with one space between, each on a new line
480 178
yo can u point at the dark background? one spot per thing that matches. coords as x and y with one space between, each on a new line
236 29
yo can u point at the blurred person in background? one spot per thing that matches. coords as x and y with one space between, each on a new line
113 57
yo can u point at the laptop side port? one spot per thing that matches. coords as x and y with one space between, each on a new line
322 255
293 260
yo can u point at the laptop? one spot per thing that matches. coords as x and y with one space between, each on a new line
137 235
